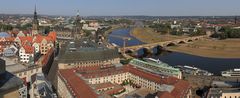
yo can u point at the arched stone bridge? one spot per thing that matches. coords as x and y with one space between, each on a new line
150 46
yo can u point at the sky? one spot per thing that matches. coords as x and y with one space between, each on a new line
123 7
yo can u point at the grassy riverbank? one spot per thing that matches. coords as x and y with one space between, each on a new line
147 35
229 48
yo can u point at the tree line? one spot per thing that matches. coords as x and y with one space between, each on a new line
226 32
166 29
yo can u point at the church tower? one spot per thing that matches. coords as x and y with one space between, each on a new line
77 27
35 24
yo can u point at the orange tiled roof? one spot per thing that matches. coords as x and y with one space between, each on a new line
9 38
53 35
39 38
28 49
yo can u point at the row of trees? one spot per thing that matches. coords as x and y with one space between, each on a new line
162 28
5 27
227 32
118 21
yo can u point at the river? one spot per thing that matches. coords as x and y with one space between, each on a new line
214 65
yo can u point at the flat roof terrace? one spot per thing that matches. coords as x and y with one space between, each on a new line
12 66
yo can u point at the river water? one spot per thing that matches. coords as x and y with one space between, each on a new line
214 65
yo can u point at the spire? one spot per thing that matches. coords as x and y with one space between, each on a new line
35 9
78 13
78 16
35 12
35 22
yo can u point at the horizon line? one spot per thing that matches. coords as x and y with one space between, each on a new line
125 15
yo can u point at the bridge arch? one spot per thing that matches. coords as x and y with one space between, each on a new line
196 38
181 42
157 49
171 44
189 40
129 51
144 52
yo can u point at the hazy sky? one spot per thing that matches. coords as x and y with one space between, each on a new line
123 7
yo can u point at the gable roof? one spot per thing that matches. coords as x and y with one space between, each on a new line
28 49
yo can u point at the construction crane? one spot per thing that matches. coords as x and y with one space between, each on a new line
124 38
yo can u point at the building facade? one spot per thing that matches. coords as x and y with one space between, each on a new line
26 54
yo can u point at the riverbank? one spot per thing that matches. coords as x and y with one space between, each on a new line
228 48
114 27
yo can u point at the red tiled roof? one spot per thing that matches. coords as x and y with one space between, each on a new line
180 89
28 38
164 94
28 49
79 87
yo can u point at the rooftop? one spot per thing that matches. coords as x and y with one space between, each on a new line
4 34
9 81
86 50
12 66
162 67
79 87
217 92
